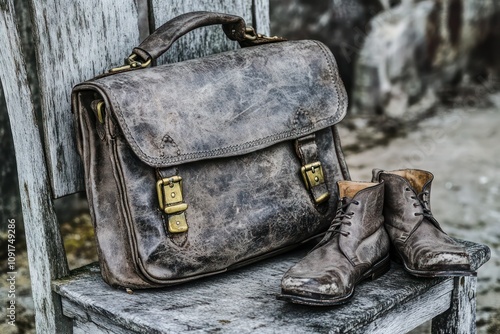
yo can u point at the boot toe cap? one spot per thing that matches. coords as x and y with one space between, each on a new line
330 286
444 261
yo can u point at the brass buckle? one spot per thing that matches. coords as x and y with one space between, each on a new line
171 202
131 63
312 175
251 35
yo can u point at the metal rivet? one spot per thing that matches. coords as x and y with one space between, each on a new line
316 179
177 223
172 194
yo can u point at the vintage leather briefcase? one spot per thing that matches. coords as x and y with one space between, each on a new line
202 166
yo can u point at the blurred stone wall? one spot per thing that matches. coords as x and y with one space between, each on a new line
340 24
395 57
414 51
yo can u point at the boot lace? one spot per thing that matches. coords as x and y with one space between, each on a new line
422 200
342 217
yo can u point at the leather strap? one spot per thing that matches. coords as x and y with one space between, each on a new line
312 171
163 37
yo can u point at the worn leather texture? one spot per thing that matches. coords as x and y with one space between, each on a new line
355 248
161 39
418 239
227 125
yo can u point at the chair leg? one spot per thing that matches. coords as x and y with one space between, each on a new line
460 318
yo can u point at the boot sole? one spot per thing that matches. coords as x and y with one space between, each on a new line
373 273
429 273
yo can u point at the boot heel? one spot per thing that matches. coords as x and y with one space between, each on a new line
381 268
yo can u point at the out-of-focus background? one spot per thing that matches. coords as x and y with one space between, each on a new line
423 79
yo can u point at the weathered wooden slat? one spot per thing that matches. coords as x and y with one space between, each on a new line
75 40
410 314
90 327
99 323
207 40
243 301
261 21
460 318
45 250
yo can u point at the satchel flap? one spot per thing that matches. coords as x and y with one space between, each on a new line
227 104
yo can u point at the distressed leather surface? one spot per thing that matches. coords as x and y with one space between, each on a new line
227 125
419 240
332 270
227 104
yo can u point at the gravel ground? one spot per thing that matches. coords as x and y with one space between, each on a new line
460 145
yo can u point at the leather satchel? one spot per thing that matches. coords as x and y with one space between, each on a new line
205 165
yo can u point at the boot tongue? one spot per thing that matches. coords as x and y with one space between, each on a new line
418 179
349 189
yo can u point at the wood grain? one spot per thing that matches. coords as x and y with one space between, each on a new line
75 40
43 240
243 301
460 318
412 313
262 21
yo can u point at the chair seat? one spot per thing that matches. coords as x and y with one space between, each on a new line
243 301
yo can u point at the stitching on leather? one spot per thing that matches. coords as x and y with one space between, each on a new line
170 141
333 74
296 118
233 148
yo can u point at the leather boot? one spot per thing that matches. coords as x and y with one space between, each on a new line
419 242
355 248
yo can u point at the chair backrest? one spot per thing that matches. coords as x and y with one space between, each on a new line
74 41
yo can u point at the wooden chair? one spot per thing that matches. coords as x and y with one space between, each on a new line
75 40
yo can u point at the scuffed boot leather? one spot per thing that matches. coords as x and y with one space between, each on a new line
355 248
418 240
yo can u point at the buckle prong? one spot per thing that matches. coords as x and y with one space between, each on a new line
171 202
312 174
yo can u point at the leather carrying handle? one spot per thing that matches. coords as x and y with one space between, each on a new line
163 37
